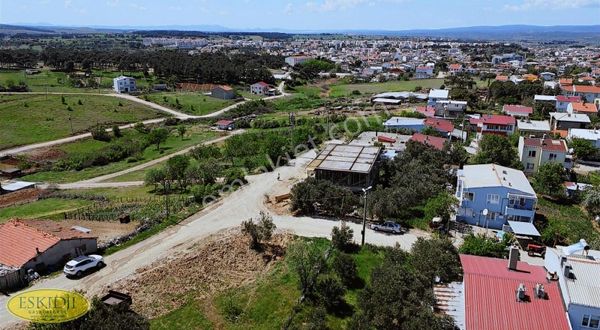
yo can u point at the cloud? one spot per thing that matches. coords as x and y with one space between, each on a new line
336 5
112 3
553 4
68 3
289 8
137 6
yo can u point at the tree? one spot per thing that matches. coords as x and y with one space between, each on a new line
549 179
497 149
583 149
158 136
176 169
306 260
331 291
260 231
117 131
181 129
155 176
99 133
342 237
436 258
480 245
591 201
345 267
442 206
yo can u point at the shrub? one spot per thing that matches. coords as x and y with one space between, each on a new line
141 128
345 267
79 102
481 245
259 231
234 175
342 237
331 291
99 133
117 131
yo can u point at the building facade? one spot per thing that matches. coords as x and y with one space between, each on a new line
124 84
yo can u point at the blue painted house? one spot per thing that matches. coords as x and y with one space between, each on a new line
404 123
504 192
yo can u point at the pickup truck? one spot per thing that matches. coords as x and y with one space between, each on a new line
388 227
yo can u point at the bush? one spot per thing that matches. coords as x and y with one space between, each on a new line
260 231
141 128
117 131
201 192
234 175
172 121
480 245
345 267
331 292
99 133
342 237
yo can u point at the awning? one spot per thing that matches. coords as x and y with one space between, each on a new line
523 228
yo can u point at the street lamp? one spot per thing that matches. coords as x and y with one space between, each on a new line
365 190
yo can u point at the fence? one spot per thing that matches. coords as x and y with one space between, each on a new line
11 280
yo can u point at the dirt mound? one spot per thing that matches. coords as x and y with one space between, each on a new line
19 197
222 261
46 155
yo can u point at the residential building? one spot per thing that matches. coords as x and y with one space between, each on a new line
225 124
494 124
423 72
561 123
517 110
223 92
562 102
490 296
589 93
535 152
490 195
450 108
443 126
41 245
583 108
577 268
260 88
295 60
436 95
427 111
533 128
504 58
432 141
351 166
455 68
548 76
124 84
591 135
404 123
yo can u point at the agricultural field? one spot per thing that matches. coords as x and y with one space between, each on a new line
30 118
174 143
345 90
189 102
44 208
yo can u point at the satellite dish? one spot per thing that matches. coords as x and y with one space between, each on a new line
485 212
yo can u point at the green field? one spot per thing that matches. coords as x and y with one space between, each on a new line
174 143
346 90
44 208
30 118
192 103
55 81
266 304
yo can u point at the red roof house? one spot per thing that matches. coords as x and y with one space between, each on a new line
490 296
441 125
432 141
428 111
517 110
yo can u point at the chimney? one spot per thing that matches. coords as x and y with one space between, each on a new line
513 258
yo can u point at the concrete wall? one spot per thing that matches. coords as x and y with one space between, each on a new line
55 257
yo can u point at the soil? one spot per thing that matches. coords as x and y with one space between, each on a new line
19 197
44 155
221 262
104 230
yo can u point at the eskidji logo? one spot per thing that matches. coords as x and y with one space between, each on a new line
48 306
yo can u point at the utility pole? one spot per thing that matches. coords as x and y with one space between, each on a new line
71 124
365 190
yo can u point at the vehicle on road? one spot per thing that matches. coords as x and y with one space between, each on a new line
83 264
536 250
388 227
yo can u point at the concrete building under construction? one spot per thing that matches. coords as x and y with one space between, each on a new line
351 166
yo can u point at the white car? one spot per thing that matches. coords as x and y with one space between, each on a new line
388 227
83 264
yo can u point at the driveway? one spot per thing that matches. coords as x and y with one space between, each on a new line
240 205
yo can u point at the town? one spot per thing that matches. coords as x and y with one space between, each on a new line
190 179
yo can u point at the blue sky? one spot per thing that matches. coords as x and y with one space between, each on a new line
305 15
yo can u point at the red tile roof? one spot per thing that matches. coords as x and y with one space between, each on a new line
441 125
262 83
18 243
455 66
579 107
501 78
563 98
433 141
224 122
490 297
547 144
582 89
428 111
494 120
225 87
565 81
517 109
381 138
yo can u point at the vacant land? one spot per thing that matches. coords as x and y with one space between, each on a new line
389 86
45 208
188 102
30 119
565 224
174 143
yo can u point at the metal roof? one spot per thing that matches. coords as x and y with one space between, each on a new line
523 228
18 185
492 175
570 117
346 158
439 93
534 125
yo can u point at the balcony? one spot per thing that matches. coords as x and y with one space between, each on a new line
521 212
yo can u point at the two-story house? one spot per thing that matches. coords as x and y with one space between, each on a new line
591 135
436 95
423 72
589 93
450 108
260 88
577 267
561 123
535 152
455 68
535 128
583 108
562 102
124 84
490 195
494 124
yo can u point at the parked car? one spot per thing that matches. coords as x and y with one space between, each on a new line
388 227
83 264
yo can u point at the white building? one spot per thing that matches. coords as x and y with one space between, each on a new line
436 95
124 84
591 135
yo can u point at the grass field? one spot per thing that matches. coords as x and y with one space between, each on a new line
389 86
30 119
44 208
54 81
192 103
174 143
265 304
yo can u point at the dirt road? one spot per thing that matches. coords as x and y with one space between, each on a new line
240 205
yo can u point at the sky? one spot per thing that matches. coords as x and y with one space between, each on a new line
301 15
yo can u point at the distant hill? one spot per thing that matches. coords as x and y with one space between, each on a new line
503 32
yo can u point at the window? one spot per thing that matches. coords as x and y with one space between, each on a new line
493 198
469 196
530 166
552 157
531 153
591 321
491 216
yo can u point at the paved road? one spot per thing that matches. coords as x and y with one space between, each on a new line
180 115
240 205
